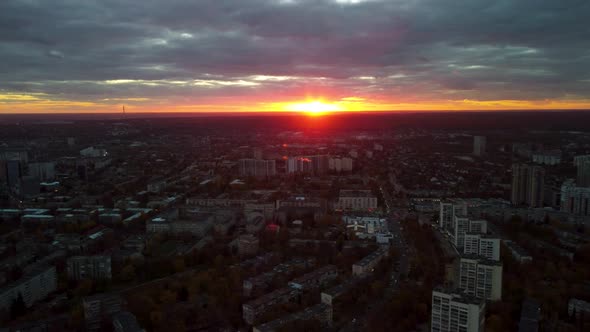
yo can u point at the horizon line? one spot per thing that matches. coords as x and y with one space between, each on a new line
288 113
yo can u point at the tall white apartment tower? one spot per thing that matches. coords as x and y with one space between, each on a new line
453 311
480 277
465 225
482 245
448 211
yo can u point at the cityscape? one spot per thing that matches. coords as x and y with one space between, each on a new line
188 224
294 165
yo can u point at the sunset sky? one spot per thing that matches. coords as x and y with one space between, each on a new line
272 55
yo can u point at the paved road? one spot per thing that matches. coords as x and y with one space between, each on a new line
400 268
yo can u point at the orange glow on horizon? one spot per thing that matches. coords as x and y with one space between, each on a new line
14 103
314 108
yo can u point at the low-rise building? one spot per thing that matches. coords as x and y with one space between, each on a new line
577 308
259 283
321 312
254 309
365 224
316 278
518 252
125 321
551 157
329 296
356 200
368 263
32 287
89 267
99 308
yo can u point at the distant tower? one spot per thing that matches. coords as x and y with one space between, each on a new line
479 145
582 164
124 114
527 185
257 153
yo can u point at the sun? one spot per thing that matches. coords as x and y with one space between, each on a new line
314 108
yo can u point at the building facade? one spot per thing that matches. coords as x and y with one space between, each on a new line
464 225
528 184
482 245
448 210
313 165
89 267
480 277
574 199
582 164
453 311
356 200
479 145
33 287
257 168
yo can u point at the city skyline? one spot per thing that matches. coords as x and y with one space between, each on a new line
292 56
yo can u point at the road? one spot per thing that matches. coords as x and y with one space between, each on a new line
399 270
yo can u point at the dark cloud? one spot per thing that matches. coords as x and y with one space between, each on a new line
486 50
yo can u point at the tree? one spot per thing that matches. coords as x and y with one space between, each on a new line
167 297
127 273
18 307
179 265
182 294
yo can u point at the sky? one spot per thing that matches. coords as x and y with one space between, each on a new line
268 55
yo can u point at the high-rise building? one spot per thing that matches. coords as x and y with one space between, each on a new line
482 245
89 267
574 199
315 165
479 145
480 277
582 164
550 157
463 225
13 173
453 311
446 215
3 173
478 226
257 168
527 185
448 211
44 171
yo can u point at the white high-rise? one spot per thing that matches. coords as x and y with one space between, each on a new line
456 312
482 245
481 277
448 211
465 225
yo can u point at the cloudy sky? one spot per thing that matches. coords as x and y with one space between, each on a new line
260 55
